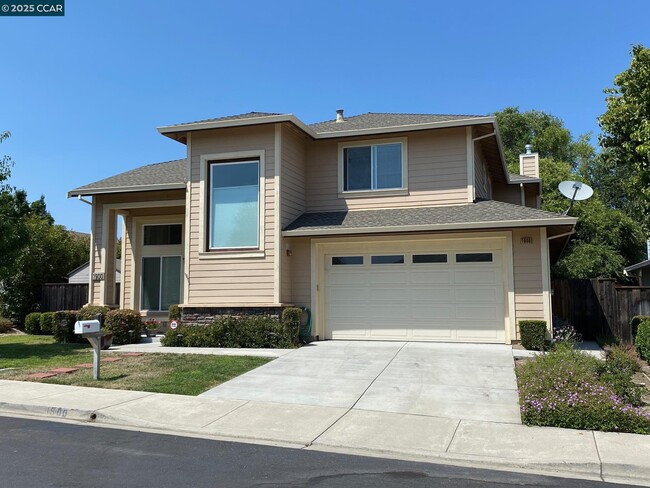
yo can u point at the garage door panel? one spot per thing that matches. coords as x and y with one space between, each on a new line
452 301
430 294
474 294
479 313
430 313
471 276
430 277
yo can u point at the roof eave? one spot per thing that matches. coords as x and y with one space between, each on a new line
80 192
169 130
406 128
432 227
172 130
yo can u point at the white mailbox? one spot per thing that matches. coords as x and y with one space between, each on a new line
86 326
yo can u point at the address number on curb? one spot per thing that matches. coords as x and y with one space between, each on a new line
98 276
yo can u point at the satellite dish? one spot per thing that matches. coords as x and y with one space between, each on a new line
575 190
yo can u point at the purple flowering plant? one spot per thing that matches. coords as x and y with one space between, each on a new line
570 389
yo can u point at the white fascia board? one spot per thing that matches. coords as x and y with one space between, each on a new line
126 189
431 227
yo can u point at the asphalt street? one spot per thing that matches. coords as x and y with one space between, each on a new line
38 453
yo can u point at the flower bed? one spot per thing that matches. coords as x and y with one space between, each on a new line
569 389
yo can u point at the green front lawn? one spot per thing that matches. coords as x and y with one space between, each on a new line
183 374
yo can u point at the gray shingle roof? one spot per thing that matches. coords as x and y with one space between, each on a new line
170 174
515 178
482 214
381 120
248 115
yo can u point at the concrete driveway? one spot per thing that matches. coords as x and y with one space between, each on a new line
456 381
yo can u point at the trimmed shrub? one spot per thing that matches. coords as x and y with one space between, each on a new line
291 318
620 365
48 323
33 323
90 312
254 331
6 325
533 334
564 388
63 330
642 340
174 338
174 312
125 324
636 320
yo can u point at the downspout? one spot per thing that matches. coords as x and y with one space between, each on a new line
84 200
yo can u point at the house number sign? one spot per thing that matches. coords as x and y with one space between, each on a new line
98 276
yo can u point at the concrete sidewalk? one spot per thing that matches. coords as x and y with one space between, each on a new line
583 454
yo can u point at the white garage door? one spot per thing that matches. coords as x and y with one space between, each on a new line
417 296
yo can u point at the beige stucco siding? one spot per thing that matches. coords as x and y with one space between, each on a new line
527 267
437 173
238 279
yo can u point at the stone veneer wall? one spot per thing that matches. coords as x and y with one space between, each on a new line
206 315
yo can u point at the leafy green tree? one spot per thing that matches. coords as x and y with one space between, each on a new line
606 239
623 173
33 250
546 133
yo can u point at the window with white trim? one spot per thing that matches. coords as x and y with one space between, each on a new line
370 167
234 205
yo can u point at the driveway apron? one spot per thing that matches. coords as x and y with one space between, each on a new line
455 381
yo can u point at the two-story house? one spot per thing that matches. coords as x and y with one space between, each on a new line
386 226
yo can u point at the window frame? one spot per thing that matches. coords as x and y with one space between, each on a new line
403 190
158 225
205 252
211 166
160 277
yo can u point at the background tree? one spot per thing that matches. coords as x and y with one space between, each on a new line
33 250
606 239
622 175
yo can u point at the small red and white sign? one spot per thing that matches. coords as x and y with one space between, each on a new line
173 324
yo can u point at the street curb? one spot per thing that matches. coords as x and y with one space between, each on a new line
610 472
81 415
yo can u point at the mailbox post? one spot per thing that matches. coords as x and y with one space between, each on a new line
91 330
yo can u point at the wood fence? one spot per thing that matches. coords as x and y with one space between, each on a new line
67 296
600 307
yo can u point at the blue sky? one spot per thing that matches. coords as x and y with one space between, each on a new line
83 94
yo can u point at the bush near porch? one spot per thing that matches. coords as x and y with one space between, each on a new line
570 389
252 331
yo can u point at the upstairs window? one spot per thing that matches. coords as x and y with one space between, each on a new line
234 205
373 167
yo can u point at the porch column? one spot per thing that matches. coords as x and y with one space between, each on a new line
109 238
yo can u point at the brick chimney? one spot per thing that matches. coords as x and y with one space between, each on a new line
529 163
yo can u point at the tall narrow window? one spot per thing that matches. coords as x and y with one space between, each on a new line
234 205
